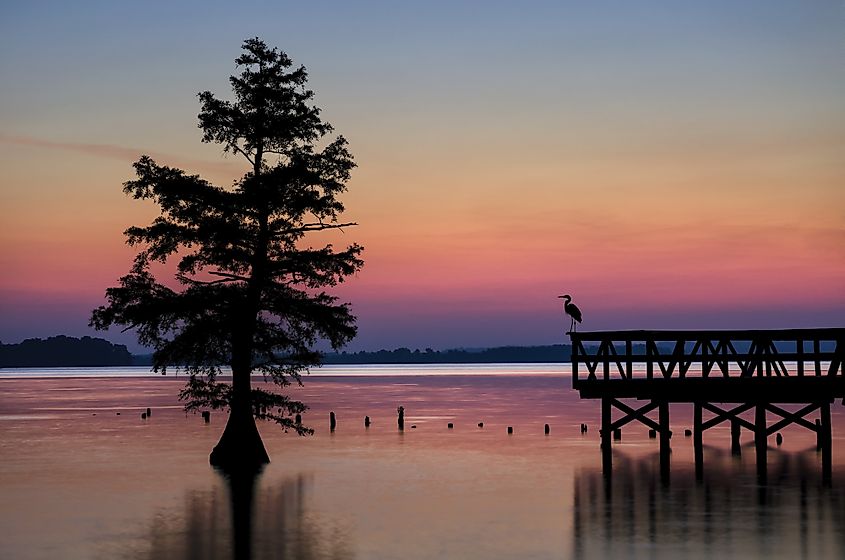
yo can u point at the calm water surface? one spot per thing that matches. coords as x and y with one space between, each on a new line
79 480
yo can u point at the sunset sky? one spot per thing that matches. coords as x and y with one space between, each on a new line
669 164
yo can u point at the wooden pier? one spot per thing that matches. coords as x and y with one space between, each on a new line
721 373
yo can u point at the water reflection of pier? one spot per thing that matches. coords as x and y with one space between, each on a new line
725 514
752 371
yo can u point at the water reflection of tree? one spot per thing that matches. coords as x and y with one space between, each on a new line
245 520
631 514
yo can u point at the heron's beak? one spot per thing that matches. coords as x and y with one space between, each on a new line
559 297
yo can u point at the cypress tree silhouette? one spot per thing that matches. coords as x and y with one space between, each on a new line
250 278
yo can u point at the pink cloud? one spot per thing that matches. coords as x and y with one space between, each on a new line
123 153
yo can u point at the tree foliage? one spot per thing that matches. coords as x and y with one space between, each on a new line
251 279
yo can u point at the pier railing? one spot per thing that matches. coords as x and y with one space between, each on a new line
650 355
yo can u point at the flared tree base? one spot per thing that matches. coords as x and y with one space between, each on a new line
240 448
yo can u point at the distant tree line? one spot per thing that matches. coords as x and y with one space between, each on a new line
502 354
64 351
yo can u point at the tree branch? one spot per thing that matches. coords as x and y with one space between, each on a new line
229 275
317 226
193 281
243 153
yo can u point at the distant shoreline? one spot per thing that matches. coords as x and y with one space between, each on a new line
86 352
64 351
500 355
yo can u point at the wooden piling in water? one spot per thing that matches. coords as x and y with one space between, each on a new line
206 416
149 412
760 439
827 443
332 421
665 434
547 429
401 419
450 425
510 429
606 461
698 440
736 448
366 421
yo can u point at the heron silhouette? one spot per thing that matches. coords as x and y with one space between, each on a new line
572 310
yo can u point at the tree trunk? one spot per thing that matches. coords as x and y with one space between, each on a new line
240 447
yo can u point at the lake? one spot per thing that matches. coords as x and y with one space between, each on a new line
83 476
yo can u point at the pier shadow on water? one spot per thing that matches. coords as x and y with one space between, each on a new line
727 514
250 520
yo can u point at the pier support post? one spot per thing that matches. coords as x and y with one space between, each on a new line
827 442
736 449
665 434
698 443
760 440
606 462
